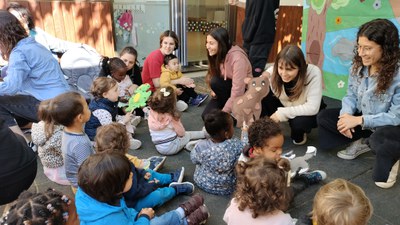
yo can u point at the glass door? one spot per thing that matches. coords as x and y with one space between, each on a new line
193 20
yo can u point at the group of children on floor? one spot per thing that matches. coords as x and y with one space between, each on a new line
87 147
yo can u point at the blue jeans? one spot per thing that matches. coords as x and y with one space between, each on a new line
169 218
160 195
23 107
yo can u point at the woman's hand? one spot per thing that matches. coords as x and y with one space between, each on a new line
147 211
346 124
274 117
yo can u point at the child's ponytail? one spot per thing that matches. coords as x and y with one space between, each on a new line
44 114
105 67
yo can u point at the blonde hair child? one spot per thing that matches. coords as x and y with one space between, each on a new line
166 129
341 202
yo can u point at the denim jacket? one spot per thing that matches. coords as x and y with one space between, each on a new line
377 110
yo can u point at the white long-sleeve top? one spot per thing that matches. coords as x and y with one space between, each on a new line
309 101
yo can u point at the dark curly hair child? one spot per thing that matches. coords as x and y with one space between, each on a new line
50 207
262 193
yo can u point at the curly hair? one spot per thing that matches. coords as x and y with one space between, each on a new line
341 202
262 186
164 101
11 33
103 176
217 122
290 56
221 35
50 207
64 108
261 130
101 85
384 33
112 137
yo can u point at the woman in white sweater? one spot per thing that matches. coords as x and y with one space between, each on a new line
296 93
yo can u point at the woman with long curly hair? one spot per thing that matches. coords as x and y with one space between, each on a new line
262 194
372 105
33 74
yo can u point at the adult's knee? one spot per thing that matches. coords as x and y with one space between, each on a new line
385 141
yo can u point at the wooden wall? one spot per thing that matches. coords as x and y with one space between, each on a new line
83 21
288 28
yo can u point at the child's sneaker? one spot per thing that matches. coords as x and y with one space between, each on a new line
199 216
135 120
313 177
154 162
146 111
192 204
186 188
177 176
190 145
134 144
181 106
198 100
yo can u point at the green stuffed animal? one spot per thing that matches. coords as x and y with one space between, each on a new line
139 98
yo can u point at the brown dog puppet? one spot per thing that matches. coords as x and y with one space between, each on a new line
247 108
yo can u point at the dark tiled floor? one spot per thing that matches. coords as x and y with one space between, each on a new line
385 202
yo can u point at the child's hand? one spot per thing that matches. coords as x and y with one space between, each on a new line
213 95
244 126
147 176
127 117
154 181
147 211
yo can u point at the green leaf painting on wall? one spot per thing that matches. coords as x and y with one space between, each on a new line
329 35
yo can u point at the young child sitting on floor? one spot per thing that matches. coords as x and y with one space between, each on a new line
105 177
171 75
216 157
339 202
71 110
262 194
166 129
49 207
266 139
148 186
117 69
104 109
111 137
47 136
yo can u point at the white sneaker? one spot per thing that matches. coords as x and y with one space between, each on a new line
190 145
354 150
391 179
135 120
301 142
181 106
134 144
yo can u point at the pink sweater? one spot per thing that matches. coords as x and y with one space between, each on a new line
235 67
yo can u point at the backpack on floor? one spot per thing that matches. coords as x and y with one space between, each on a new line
81 65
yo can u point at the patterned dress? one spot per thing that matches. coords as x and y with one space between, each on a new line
215 164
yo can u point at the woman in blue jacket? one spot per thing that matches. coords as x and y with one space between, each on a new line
33 74
372 104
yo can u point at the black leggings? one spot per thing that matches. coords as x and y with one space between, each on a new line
222 88
329 136
298 125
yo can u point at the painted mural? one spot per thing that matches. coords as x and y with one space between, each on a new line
329 31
